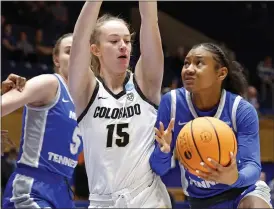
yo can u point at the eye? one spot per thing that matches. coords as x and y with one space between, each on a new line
199 63
186 64
113 42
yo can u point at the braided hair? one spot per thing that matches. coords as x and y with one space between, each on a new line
235 80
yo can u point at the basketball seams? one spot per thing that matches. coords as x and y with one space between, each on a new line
194 142
181 158
217 137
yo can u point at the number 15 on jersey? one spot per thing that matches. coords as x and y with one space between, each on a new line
121 133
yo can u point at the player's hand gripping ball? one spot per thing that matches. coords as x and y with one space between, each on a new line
204 146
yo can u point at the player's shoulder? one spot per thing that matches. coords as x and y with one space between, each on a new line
244 108
179 94
45 79
243 103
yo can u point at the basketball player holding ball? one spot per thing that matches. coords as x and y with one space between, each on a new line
117 109
212 87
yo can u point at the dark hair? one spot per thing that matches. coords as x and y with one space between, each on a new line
56 48
235 81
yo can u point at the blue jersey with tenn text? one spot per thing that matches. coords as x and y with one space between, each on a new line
50 138
235 112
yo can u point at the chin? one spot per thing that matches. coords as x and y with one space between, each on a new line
189 88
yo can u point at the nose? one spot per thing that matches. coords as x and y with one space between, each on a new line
190 70
123 46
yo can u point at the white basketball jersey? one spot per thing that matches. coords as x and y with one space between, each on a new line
118 135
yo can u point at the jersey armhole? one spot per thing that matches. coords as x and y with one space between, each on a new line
234 112
139 91
93 96
51 104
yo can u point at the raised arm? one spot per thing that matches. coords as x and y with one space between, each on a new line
150 67
38 91
81 79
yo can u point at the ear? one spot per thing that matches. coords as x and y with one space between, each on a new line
95 50
222 73
56 61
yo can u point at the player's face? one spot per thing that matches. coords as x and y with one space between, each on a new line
64 53
115 46
199 71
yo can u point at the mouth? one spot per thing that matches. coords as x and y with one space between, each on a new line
189 79
122 57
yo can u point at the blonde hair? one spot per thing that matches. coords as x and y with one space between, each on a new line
94 39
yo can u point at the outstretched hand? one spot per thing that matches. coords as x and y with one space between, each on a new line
164 137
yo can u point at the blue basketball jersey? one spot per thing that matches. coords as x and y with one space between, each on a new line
51 139
232 109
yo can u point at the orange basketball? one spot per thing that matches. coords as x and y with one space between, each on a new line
202 138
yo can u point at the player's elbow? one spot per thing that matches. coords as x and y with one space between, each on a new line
156 166
257 171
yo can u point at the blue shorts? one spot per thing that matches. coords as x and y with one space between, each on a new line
34 188
260 189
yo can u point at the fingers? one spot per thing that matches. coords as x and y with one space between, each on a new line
171 125
164 147
161 128
215 164
17 81
233 159
20 83
213 173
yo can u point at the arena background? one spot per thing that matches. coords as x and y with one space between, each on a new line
245 29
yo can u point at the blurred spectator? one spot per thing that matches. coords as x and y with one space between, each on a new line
43 52
60 13
3 21
266 73
8 165
178 61
252 97
8 43
26 48
37 9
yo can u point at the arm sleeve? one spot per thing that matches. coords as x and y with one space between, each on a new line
160 162
248 145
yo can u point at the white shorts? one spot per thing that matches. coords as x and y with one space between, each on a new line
153 195
260 190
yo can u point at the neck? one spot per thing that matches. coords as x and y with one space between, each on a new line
208 99
64 78
114 81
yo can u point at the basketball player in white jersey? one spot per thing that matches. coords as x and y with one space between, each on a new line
117 110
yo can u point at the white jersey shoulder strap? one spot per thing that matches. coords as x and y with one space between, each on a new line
234 112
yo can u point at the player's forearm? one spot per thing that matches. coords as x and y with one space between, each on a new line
160 162
148 10
86 21
248 175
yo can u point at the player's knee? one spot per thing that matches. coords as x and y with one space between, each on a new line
253 202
